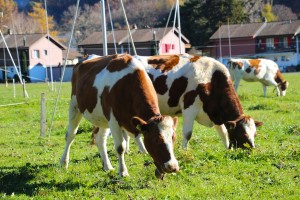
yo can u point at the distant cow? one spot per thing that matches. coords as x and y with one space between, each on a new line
201 90
262 70
115 93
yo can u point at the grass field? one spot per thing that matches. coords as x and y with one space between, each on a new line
29 164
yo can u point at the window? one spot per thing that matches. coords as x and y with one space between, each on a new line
282 58
167 47
270 43
45 52
36 54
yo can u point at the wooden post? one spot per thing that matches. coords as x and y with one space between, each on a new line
14 86
24 89
43 115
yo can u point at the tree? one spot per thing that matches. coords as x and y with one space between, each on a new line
267 13
39 16
202 18
7 8
284 13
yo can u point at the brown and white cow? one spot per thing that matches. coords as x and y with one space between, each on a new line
262 70
201 90
115 93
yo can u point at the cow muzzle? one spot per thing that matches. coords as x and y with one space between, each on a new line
168 167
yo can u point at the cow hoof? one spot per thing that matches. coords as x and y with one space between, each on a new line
124 174
159 175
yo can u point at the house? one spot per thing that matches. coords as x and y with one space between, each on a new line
38 55
277 41
147 42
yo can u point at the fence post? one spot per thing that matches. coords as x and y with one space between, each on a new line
43 115
14 86
24 90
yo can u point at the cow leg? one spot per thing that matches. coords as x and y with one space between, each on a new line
127 139
74 119
101 137
188 115
138 140
222 131
265 90
236 84
120 146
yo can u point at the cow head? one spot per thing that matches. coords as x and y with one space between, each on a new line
283 87
159 138
242 132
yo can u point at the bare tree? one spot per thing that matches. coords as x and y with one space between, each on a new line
283 13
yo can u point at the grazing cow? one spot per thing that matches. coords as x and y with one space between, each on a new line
201 90
115 93
262 70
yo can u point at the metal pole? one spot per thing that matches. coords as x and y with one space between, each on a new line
179 27
104 28
133 46
220 44
297 46
229 42
48 35
43 115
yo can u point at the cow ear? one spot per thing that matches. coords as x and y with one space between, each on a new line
139 124
175 121
230 125
257 123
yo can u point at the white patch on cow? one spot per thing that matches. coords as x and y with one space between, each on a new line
250 129
167 136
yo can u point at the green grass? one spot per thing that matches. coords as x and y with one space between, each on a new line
29 164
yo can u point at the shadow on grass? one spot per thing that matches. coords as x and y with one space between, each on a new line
20 180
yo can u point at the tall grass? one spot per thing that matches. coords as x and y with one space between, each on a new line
29 164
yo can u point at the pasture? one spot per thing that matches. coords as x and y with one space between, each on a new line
29 164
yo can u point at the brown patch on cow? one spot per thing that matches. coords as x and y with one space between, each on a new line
177 89
93 137
195 58
83 79
248 70
280 80
119 63
139 97
189 98
164 63
278 77
254 63
160 84
221 103
238 65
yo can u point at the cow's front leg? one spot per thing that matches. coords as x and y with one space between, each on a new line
223 133
237 83
188 116
120 146
100 138
74 119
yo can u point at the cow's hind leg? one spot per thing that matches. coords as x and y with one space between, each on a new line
101 138
138 140
120 146
74 119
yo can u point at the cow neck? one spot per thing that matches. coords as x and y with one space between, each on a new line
278 77
220 100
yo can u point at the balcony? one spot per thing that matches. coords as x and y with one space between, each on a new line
275 49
